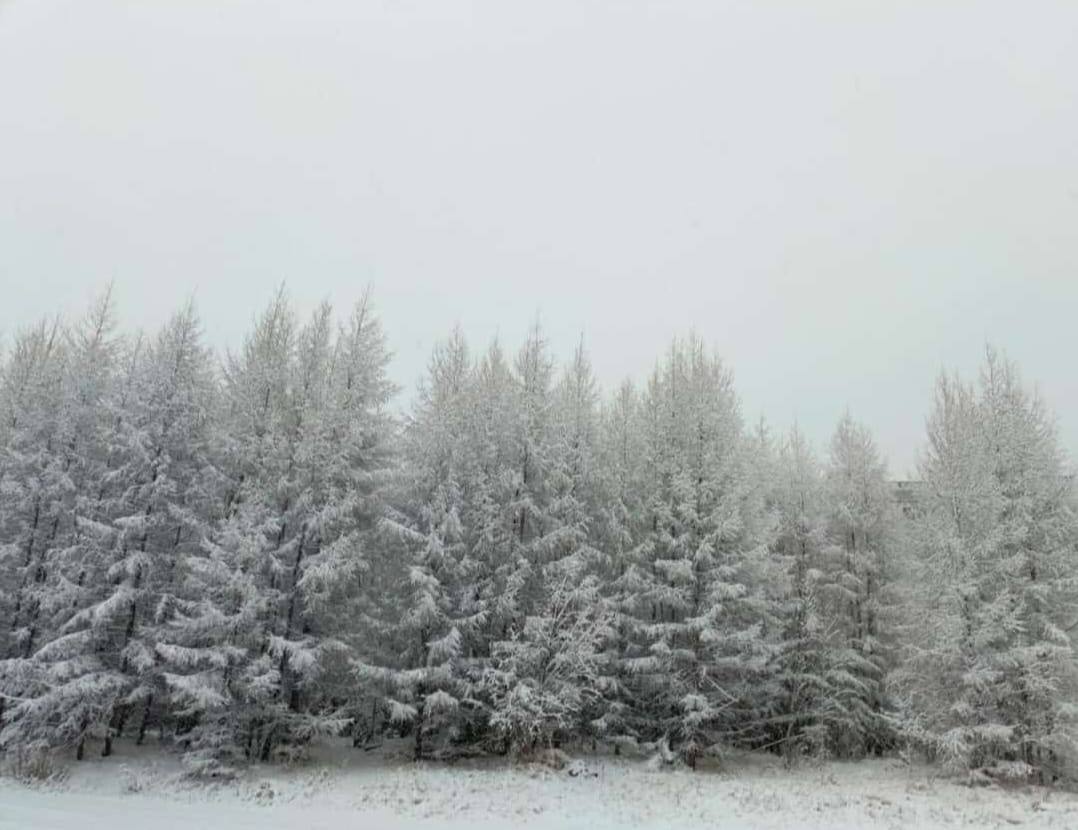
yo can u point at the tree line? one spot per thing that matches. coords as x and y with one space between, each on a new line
241 555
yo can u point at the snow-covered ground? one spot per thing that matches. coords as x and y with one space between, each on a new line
143 790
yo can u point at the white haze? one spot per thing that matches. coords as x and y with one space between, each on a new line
841 196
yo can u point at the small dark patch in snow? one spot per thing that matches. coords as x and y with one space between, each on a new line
580 769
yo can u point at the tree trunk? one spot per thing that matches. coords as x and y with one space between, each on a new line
419 738
145 721
80 749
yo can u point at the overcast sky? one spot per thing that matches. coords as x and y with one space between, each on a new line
841 196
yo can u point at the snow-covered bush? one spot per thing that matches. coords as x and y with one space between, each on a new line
33 763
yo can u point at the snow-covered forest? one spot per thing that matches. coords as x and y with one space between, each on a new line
245 554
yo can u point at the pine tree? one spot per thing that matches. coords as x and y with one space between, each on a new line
624 563
998 551
552 679
426 686
698 610
525 475
803 701
310 434
64 676
345 569
33 404
491 593
170 492
858 588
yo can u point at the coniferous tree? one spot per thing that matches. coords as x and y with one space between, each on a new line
64 675
803 702
491 593
32 399
990 684
858 588
699 610
553 678
242 560
624 563
427 686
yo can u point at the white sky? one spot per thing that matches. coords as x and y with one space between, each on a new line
842 196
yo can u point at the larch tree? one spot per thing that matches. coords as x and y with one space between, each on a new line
858 589
990 686
65 670
241 557
621 528
426 686
33 403
802 702
697 611
172 488
552 678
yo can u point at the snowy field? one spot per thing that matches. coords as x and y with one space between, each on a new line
143 790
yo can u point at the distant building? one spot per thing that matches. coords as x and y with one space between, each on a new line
909 496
